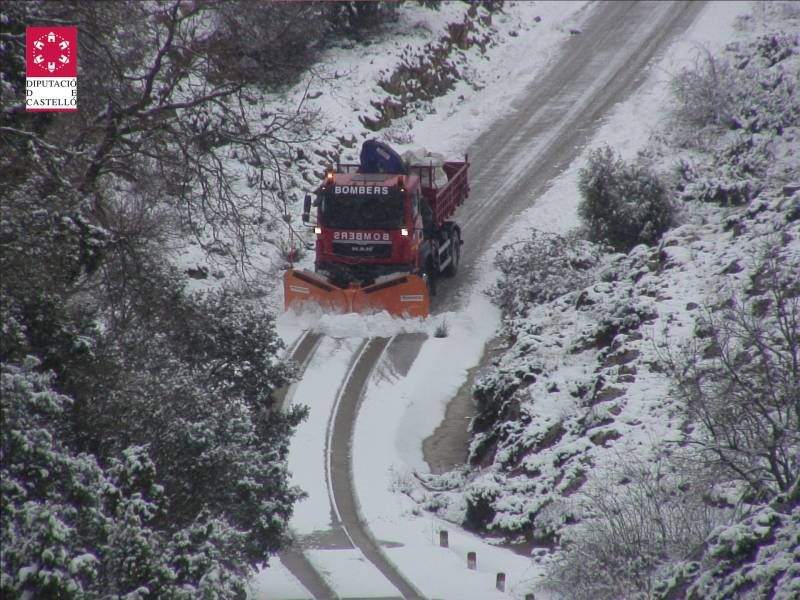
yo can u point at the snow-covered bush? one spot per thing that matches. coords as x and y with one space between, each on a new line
641 515
273 43
740 381
737 108
624 204
442 329
756 557
540 269
706 92
734 176
749 89
618 316
479 510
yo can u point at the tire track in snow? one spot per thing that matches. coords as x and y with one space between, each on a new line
340 466
346 519
517 158
300 353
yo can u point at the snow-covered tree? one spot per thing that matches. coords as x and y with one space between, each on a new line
624 204
73 529
161 120
740 381
541 268
142 451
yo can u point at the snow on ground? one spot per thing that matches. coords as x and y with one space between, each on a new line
344 87
424 392
350 574
276 581
398 413
329 364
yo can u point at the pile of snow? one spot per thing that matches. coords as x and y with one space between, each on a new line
423 157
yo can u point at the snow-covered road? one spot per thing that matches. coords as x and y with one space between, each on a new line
555 117
404 399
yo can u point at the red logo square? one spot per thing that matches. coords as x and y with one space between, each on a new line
51 52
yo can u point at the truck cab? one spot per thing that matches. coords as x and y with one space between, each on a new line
369 225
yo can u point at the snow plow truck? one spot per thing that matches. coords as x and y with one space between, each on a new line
383 234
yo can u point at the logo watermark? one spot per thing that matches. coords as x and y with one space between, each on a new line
51 69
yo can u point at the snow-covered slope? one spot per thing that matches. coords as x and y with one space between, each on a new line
443 74
585 393
579 386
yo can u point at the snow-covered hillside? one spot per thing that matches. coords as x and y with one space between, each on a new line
431 81
582 384
587 407
587 404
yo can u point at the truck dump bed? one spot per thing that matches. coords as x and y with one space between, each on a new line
446 199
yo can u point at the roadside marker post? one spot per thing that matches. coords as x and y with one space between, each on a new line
443 541
501 582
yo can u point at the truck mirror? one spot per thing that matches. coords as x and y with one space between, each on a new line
306 208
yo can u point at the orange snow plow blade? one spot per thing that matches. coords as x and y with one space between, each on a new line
401 296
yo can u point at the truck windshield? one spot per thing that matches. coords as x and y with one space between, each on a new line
362 212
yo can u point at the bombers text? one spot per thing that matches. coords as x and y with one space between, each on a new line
370 190
361 236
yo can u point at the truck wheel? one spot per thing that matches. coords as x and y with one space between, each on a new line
455 253
430 278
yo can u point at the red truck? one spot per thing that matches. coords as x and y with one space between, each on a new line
383 236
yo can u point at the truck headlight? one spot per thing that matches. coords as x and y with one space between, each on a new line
404 232
317 230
